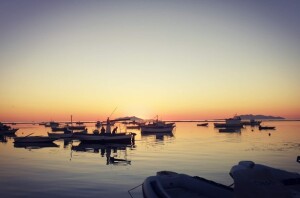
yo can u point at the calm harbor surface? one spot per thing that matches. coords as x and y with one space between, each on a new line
71 169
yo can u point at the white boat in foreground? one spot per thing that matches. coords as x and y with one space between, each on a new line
250 181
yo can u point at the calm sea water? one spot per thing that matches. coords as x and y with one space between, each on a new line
70 169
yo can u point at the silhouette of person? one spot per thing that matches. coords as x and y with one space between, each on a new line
115 130
102 130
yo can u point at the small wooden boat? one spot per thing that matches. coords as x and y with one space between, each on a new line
170 184
266 127
34 139
203 124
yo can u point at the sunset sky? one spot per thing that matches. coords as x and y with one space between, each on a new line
193 59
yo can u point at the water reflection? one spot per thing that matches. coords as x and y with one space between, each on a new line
31 145
116 154
157 136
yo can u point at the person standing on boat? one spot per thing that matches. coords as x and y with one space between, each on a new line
114 130
108 130
102 130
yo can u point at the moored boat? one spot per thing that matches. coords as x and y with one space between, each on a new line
105 137
266 127
33 139
98 124
52 124
230 123
78 127
157 126
60 135
250 180
203 124
35 145
7 130
256 180
170 184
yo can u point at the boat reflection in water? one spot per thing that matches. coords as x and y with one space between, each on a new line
116 154
158 136
35 145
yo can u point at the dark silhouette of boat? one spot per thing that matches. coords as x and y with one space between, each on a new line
203 124
250 180
7 130
230 123
157 126
35 145
266 127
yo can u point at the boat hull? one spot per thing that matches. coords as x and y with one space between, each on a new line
119 138
60 135
170 184
34 139
8 131
224 125
256 180
35 145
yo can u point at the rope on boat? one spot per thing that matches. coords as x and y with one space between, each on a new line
133 189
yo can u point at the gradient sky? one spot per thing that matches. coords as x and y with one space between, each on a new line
192 59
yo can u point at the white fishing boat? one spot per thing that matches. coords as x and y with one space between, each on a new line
158 126
169 184
236 122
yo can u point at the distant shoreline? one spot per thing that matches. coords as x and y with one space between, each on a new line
212 120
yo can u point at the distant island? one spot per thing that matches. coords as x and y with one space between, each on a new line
260 117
